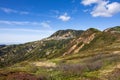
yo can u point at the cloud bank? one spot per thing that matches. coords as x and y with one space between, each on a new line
44 24
22 35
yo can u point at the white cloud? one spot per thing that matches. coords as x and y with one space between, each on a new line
113 7
103 8
14 22
19 22
45 24
8 10
86 10
55 11
89 2
64 17
25 30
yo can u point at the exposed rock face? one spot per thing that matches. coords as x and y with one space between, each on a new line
85 38
85 41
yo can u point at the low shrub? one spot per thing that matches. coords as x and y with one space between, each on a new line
114 75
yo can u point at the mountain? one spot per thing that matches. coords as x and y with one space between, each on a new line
2 45
65 34
52 45
115 29
73 54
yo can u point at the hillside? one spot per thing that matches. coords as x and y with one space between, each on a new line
53 45
66 34
65 55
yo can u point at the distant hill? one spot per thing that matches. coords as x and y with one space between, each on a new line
2 45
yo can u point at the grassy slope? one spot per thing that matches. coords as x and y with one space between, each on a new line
99 60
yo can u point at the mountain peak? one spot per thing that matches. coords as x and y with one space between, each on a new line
115 29
93 30
65 34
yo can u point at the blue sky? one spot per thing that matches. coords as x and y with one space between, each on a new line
30 20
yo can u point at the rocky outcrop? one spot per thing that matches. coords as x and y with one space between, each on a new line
65 34
83 40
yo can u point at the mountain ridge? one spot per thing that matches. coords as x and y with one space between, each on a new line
92 48
81 39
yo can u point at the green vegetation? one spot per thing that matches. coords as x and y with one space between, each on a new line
45 60
117 28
